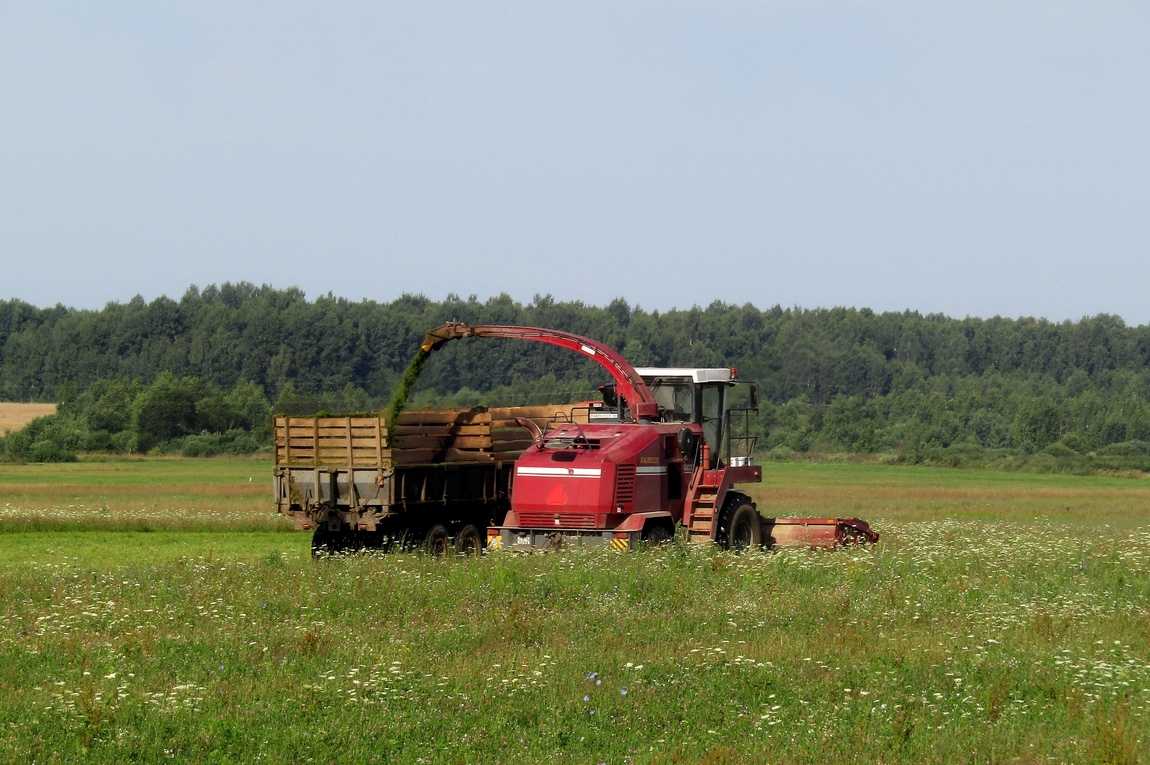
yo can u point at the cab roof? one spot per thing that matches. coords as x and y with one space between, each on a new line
699 374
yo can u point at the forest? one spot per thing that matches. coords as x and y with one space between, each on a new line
201 375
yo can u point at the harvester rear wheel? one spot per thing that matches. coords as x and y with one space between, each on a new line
469 541
740 528
436 541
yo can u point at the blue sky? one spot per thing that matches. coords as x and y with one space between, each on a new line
965 158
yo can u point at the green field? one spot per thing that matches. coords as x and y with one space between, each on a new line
157 610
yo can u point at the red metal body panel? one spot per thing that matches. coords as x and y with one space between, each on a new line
611 472
816 532
627 381
636 521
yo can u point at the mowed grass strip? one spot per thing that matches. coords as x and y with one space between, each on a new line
139 495
919 493
954 640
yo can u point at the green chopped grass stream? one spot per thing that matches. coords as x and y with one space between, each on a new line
406 384
1002 617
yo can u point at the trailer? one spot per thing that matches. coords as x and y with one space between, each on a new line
438 479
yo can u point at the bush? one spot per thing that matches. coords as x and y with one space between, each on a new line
123 417
98 441
46 439
1059 449
1126 449
236 443
50 451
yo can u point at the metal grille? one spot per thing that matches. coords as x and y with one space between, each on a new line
557 520
624 485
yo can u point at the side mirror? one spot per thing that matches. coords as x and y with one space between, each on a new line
754 396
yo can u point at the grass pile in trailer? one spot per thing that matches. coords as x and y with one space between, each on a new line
159 609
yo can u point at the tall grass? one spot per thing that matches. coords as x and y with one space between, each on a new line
999 636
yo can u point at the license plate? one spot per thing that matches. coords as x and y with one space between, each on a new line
523 539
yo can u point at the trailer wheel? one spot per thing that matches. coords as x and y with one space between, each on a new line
436 541
741 528
326 542
469 541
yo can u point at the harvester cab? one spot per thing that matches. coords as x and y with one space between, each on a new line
704 396
701 396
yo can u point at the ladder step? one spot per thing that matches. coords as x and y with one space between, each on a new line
701 526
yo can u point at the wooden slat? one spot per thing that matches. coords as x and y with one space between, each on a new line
546 411
440 429
329 422
542 422
517 445
501 436
399 431
412 456
441 442
444 417
467 455
433 456
471 430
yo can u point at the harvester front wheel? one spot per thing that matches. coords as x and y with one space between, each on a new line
741 528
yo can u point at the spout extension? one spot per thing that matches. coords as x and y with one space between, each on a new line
452 330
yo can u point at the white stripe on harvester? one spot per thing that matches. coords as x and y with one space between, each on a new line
559 471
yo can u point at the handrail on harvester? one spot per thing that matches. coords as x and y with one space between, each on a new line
628 383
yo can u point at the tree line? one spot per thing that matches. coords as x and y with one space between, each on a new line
223 357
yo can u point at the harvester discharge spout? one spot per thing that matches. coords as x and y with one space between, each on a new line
629 384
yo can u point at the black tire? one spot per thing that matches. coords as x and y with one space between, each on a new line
469 541
327 542
741 528
657 534
358 541
436 541
375 541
